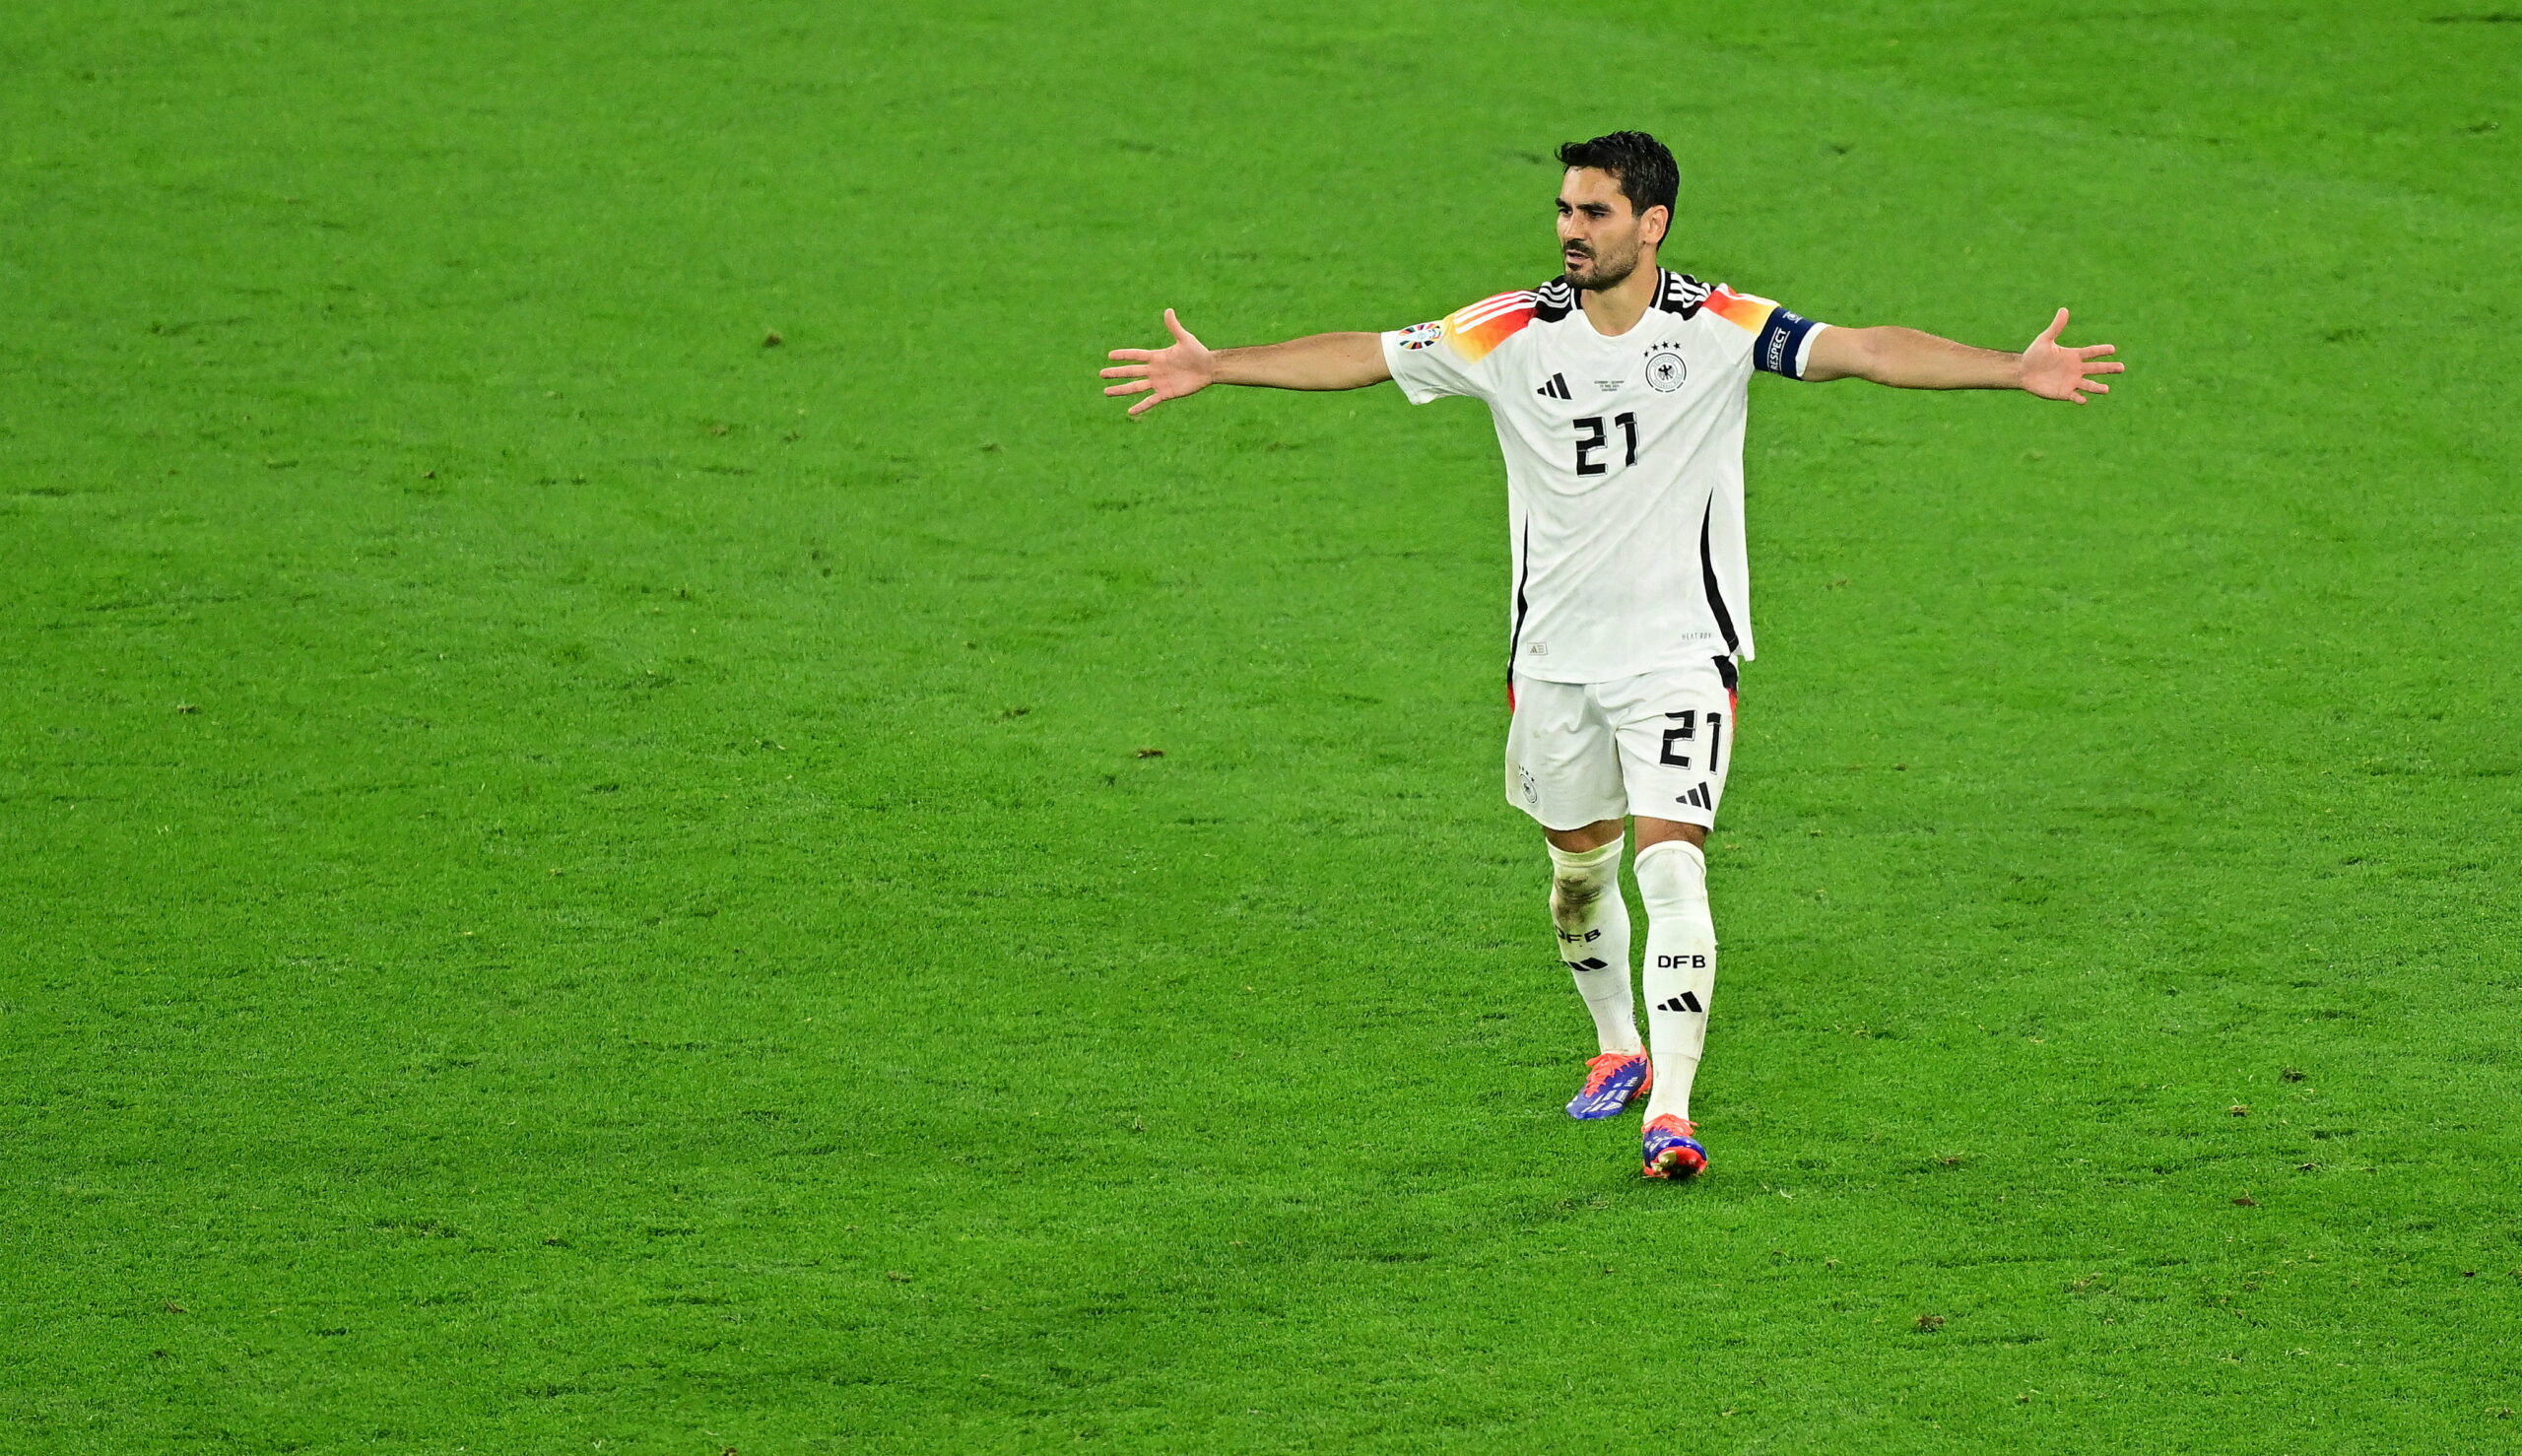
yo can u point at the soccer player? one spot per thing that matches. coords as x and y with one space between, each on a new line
1619 391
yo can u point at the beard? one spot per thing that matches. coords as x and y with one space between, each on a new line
1601 273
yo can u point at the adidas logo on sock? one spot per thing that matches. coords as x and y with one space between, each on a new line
1590 963
1557 388
1683 1002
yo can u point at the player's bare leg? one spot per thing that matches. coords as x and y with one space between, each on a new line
1680 977
1592 924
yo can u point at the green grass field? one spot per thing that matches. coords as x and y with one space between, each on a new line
576 881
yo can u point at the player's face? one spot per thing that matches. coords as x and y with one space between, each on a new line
1601 236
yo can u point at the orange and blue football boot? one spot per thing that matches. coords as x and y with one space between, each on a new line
1610 1079
1673 1150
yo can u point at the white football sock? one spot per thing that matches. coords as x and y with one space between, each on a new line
1680 970
1593 939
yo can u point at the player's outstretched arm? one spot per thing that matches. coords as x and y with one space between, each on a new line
1906 359
1187 366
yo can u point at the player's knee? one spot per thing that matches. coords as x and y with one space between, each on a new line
1672 873
1573 894
1578 880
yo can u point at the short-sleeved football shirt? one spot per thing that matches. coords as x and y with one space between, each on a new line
1624 465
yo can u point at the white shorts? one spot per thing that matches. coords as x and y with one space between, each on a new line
1656 745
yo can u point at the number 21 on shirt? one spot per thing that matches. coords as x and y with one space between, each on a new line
1591 436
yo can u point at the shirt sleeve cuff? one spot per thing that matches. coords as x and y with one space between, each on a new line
1803 351
1394 358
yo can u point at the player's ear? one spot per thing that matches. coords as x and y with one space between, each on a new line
1657 221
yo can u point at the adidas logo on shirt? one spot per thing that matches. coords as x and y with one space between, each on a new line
1557 388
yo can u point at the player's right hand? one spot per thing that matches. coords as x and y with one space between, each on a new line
1186 367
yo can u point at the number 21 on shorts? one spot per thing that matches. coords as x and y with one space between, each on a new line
1686 733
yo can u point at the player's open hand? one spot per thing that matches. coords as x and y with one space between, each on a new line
1186 367
2054 371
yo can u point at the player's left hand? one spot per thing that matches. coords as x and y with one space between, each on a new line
2053 371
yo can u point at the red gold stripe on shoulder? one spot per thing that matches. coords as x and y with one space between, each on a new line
1480 327
1742 310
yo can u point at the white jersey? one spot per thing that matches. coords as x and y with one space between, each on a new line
1624 465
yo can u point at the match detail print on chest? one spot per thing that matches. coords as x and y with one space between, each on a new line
1571 381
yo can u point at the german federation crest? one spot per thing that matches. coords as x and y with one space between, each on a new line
1665 370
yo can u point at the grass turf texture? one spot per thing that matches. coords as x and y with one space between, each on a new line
579 882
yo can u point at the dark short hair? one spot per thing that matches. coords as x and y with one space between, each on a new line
1641 166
